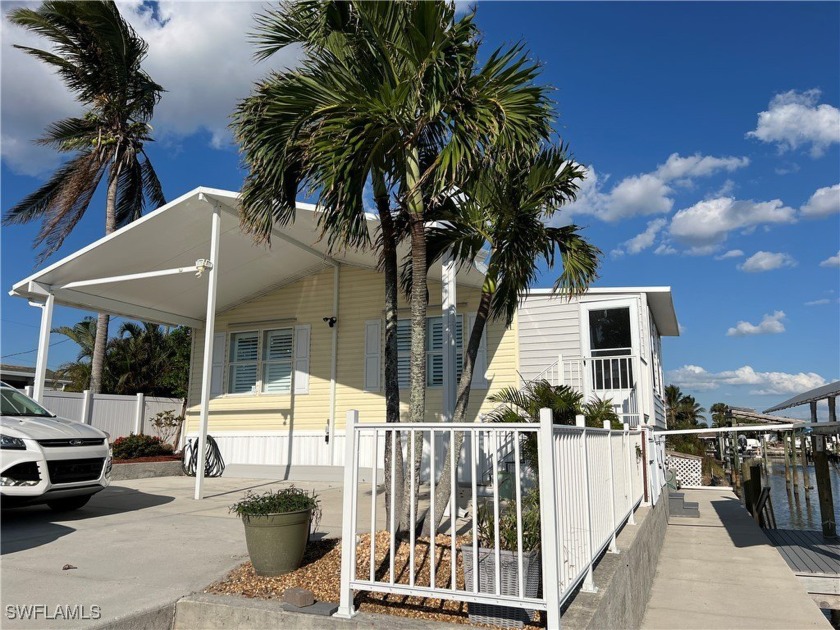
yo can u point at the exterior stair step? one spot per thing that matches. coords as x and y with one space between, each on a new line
680 508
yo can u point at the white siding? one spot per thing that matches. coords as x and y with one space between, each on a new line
548 327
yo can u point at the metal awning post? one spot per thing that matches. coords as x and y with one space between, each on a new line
43 347
450 315
209 330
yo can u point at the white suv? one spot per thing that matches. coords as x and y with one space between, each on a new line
46 459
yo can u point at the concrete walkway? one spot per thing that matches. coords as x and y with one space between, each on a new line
135 547
720 571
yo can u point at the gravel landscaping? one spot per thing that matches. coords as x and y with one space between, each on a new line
321 570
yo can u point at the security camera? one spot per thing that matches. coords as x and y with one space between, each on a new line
330 321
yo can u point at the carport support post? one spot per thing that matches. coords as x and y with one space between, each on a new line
43 348
450 319
139 413
207 359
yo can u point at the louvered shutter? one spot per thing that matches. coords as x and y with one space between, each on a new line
243 369
217 375
373 355
479 380
404 353
277 361
302 358
434 348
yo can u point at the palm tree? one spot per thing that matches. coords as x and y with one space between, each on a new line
143 358
323 28
394 89
523 405
504 207
719 413
77 372
689 411
673 396
98 56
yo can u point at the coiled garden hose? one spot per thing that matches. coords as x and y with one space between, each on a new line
214 465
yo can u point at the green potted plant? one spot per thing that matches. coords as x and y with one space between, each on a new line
505 616
277 525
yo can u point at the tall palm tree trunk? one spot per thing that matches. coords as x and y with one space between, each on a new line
97 363
392 385
419 303
443 489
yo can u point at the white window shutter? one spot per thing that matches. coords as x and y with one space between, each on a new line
479 380
302 334
373 355
217 376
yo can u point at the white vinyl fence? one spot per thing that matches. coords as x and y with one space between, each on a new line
118 415
590 483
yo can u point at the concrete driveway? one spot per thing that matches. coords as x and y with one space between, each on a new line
136 546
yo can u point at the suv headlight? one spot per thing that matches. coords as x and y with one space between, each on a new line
12 443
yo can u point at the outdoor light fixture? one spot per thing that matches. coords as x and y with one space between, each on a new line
330 321
202 265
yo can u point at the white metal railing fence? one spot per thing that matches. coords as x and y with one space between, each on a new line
118 415
589 484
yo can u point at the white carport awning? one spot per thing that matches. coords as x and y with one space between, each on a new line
176 236
149 270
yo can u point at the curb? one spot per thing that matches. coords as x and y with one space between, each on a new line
206 611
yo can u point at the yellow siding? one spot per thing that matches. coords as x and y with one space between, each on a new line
308 301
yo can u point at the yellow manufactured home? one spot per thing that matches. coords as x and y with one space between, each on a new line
288 338
271 400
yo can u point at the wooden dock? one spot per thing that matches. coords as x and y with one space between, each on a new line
814 560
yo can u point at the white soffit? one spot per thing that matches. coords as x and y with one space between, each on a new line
177 235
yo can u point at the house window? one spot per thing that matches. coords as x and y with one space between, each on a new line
266 368
434 350
611 341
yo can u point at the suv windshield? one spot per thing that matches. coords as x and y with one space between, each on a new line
14 403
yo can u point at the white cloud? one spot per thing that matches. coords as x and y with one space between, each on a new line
677 167
694 377
767 261
638 195
732 253
769 325
832 261
708 222
795 119
664 250
819 302
646 193
198 51
645 240
822 203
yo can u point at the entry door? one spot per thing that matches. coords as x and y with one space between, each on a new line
610 336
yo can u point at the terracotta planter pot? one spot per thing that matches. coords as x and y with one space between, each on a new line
276 542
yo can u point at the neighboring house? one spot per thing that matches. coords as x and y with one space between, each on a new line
299 331
21 376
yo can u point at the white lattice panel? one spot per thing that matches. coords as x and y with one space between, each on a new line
689 469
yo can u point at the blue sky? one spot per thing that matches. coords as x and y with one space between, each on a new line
710 131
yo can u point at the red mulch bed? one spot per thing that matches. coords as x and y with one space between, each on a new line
156 458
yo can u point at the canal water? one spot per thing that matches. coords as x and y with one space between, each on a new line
802 511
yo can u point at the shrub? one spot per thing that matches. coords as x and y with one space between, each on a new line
531 531
166 424
289 499
135 446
